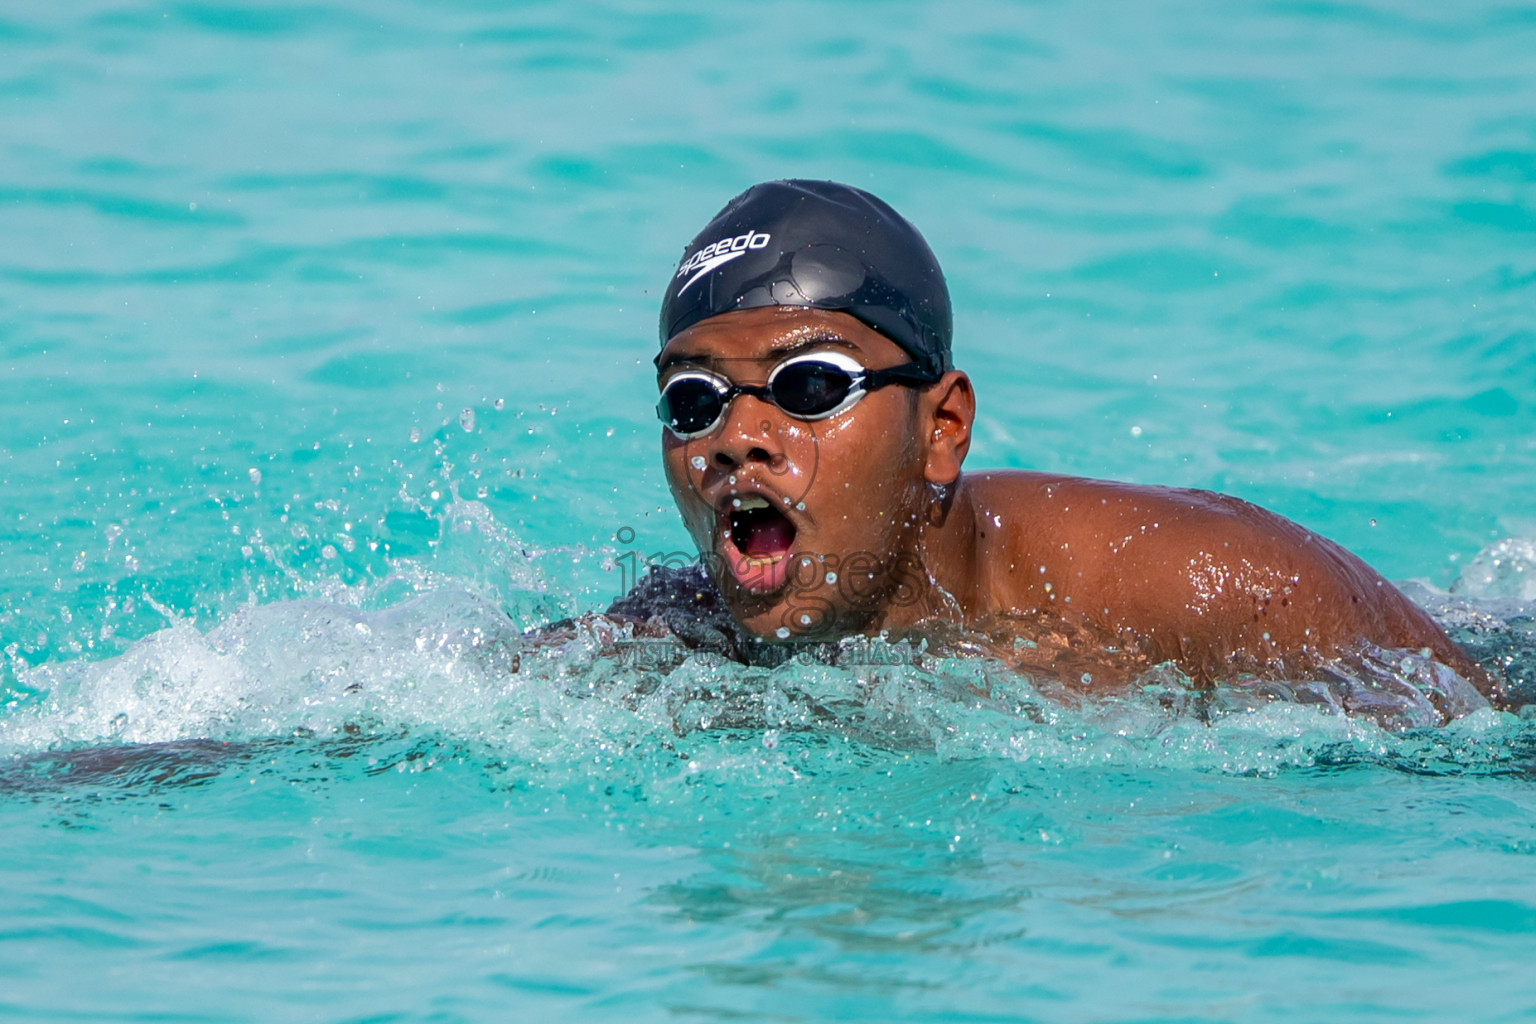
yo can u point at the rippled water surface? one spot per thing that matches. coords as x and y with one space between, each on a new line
325 336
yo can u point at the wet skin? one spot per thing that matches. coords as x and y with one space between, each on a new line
1118 577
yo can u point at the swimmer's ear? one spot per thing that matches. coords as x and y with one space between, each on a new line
946 411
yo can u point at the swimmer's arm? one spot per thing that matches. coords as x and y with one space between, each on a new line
1228 581
1210 581
603 634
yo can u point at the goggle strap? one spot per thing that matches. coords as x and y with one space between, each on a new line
907 373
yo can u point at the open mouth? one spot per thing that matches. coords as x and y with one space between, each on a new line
754 539
758 530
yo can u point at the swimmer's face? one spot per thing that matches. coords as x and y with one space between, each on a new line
809 526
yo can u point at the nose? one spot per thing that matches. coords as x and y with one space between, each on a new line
747 435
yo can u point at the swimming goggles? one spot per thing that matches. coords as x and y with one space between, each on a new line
812 386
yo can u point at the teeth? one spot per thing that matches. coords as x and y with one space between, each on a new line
750 502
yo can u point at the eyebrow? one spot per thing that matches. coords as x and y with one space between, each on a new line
818 338
813 339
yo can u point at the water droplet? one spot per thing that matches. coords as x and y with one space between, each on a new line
805 620
800 505
735 503
467 419
782 632
255 476
328 552
500 404
697 462
733 478
415 435
771 739
1135 431
831 577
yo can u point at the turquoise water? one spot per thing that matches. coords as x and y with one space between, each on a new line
325 334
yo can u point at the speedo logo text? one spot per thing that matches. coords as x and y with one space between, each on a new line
718 253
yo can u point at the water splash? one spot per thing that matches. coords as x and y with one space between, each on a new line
450 665
439 649
1504 569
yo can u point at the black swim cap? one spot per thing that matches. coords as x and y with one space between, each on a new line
817 244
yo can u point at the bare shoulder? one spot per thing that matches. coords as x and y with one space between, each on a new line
1132 522
1196 576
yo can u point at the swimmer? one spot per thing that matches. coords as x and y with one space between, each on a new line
814 434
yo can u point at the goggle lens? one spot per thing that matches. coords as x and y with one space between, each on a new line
810 388
690 405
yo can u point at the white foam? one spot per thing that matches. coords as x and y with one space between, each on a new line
273 669
1506 568
433 650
